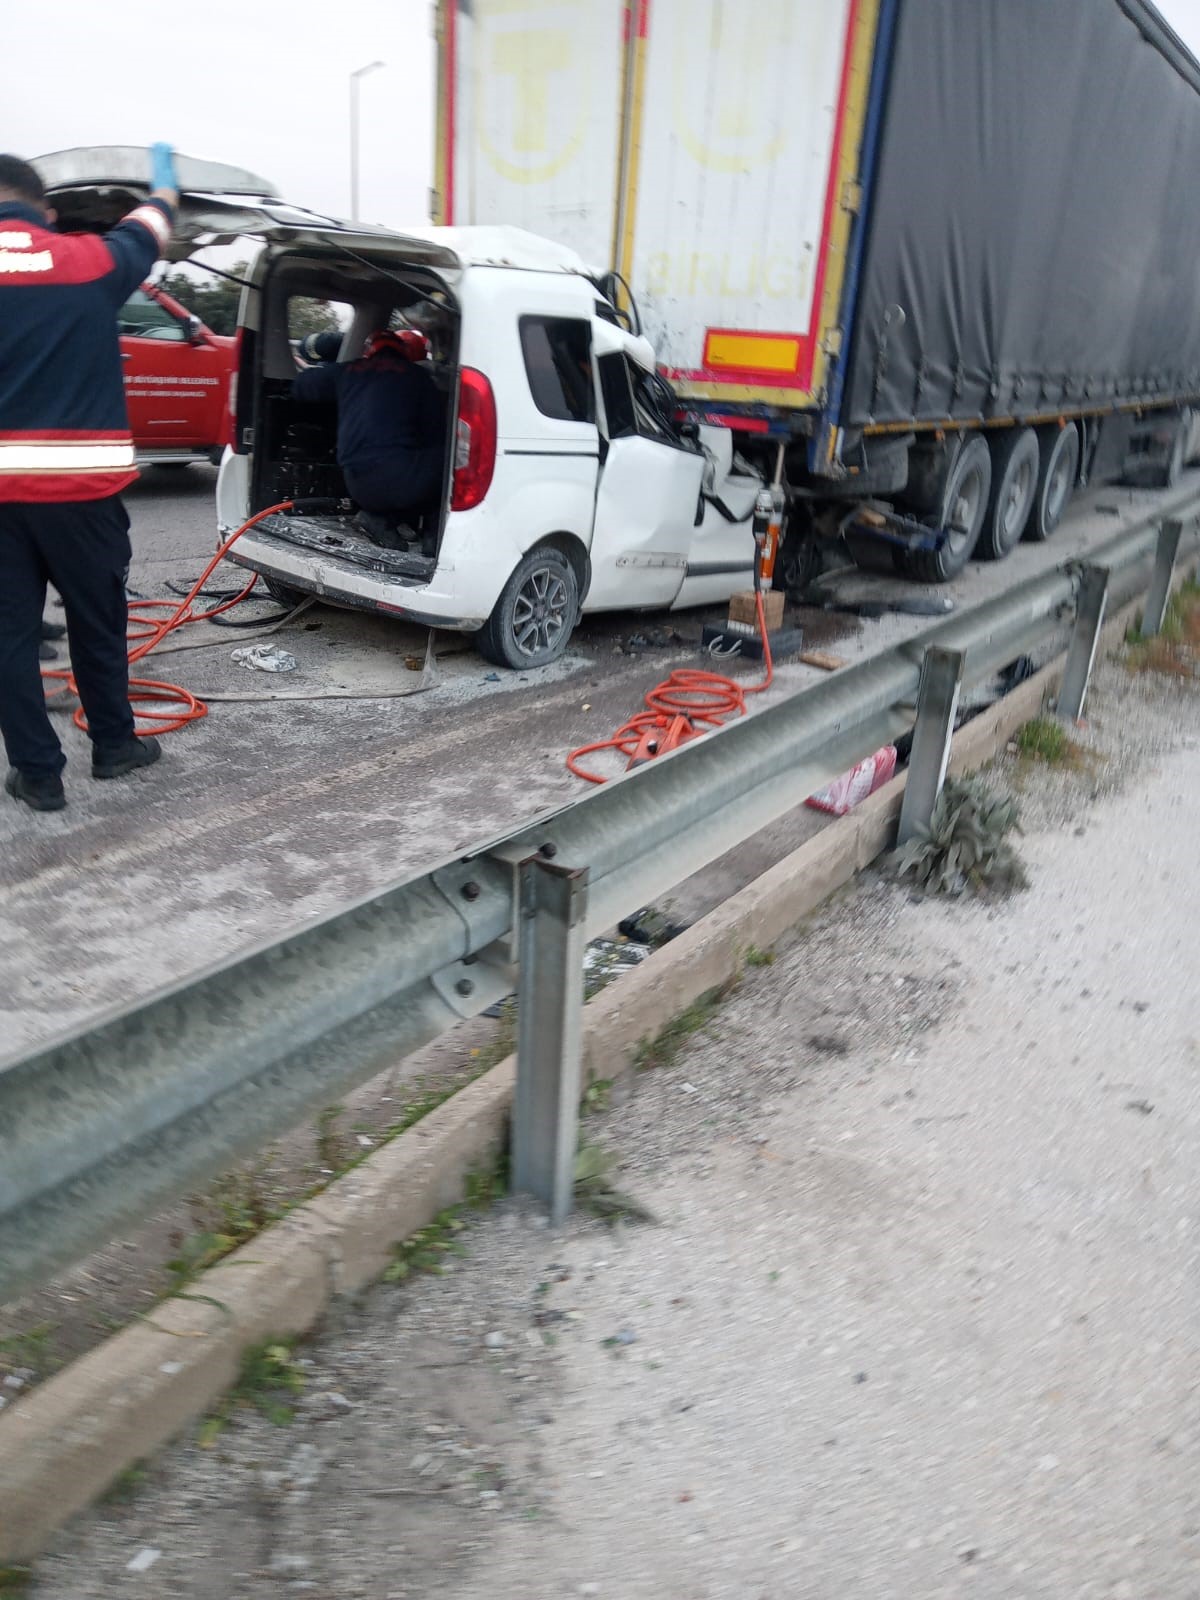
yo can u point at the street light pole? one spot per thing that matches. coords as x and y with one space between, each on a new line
359 72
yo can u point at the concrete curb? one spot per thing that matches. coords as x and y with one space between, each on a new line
65 1442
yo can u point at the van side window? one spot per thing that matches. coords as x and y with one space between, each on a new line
558 364
619 412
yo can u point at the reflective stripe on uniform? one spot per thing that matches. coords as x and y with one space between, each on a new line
30 456
151 217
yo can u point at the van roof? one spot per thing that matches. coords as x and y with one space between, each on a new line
503 247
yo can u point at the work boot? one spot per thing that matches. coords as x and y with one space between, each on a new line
381 530
39 794
126 758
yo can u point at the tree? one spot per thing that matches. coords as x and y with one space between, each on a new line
215 302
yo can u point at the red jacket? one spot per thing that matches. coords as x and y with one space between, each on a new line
64 434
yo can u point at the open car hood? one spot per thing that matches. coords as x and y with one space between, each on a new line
93 188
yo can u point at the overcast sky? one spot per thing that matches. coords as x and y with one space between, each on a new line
261 83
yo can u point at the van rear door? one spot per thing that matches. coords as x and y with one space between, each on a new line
93 188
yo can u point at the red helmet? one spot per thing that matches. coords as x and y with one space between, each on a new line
406 343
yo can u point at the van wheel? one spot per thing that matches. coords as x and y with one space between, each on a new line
963 505
1015 463
286 596
535 614
1059 448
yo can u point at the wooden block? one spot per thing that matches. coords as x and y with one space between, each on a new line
742 608
823 659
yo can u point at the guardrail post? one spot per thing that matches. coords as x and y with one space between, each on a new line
553 907
937 704
1085 640
1159 592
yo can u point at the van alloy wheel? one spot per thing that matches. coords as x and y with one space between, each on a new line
541 611
536 613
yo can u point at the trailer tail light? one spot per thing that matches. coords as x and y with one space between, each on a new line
474 441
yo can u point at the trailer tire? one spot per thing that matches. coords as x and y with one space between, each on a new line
1059 452
1015 463
535 615
964 501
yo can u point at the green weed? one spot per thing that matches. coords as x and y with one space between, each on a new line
965 845
266 1382
125 1485
428 1248
1045 739
663 1049
1175 650
755 957
30 1349
597 1097
596 1192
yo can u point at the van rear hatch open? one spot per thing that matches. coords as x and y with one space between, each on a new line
93 187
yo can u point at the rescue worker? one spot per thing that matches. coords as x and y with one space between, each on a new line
391 442
65 455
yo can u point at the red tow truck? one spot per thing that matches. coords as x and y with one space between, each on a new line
177 378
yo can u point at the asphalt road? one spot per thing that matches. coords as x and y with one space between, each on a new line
268 814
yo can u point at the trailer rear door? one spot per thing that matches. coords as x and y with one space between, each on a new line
706 148
745 125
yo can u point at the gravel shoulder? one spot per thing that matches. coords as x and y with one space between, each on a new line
918 1315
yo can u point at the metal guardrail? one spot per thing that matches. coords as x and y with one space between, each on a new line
103 1123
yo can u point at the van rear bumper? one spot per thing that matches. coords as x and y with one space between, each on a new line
343 583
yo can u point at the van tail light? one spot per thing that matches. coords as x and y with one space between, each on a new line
474 441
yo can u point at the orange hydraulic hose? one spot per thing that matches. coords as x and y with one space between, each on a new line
178 706
687 704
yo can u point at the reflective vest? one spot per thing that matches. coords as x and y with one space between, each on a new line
64 434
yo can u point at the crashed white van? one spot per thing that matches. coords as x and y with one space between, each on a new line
569 485
568 488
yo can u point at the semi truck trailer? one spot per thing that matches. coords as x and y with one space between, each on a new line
933 262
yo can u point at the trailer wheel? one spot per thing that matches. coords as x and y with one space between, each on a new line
535 614
963 505
1015 462
1059 449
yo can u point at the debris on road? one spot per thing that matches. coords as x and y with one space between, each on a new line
844 793
264 658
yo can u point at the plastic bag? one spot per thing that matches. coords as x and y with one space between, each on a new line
844 793
264 658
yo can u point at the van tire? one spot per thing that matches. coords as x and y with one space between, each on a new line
535 615
1059 449
1016 462
283 594
966 494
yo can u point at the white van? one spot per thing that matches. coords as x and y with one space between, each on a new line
569 484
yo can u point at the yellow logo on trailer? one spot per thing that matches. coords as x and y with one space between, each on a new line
738 134
533 63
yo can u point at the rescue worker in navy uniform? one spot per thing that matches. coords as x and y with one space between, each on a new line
66 453
391 442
